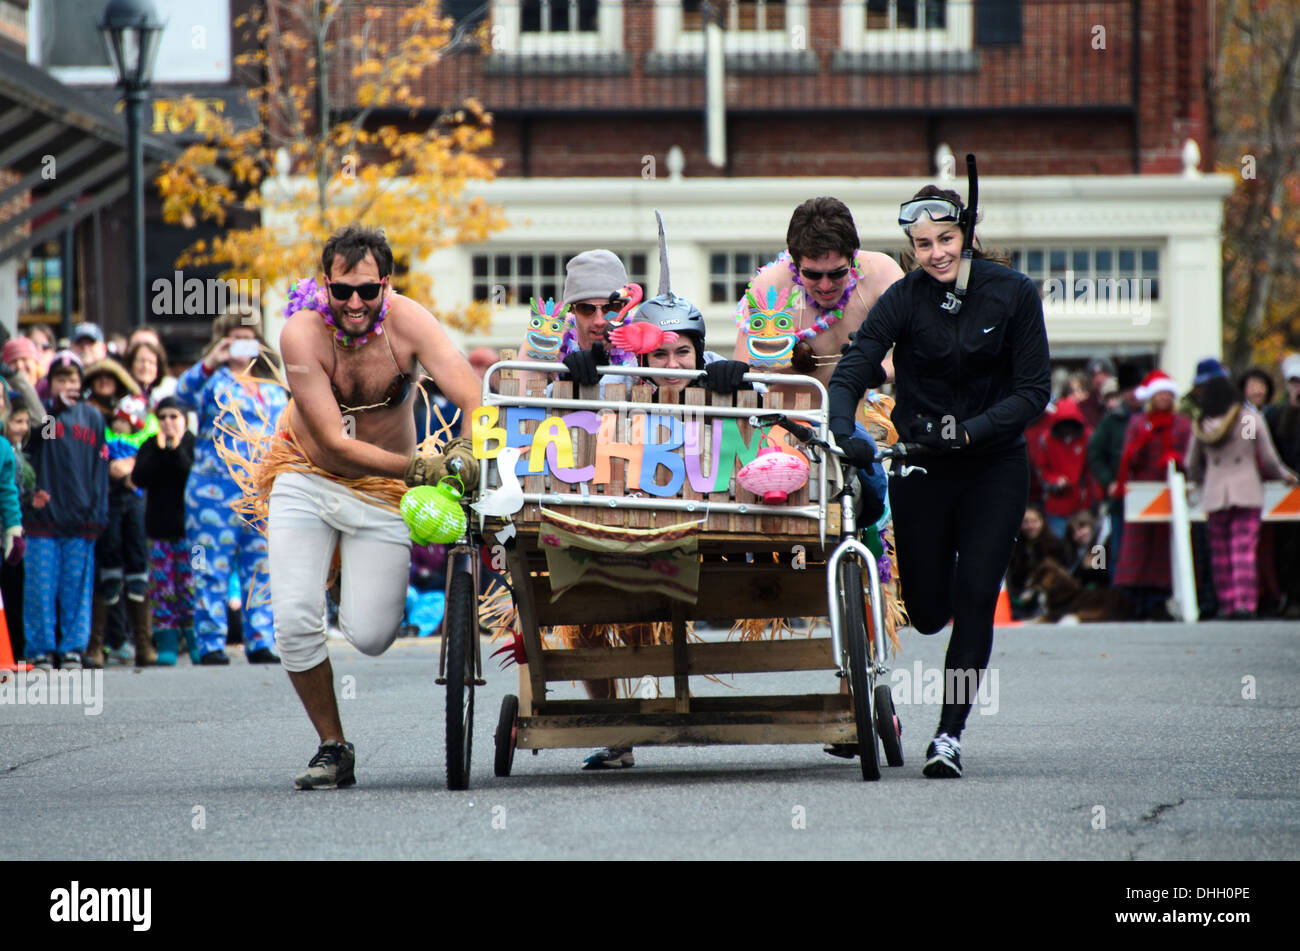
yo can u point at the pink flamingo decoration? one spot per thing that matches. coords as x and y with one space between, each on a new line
638 336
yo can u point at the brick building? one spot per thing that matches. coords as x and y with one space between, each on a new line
1088 118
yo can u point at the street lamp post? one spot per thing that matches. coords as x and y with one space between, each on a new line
131 30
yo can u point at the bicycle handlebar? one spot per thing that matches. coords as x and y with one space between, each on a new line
806 436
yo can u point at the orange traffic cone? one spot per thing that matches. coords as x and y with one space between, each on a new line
6 649
1002 613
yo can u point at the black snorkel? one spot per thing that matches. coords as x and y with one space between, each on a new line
953 301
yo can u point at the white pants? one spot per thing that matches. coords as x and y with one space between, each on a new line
309 515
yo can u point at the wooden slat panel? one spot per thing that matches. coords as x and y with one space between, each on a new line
506 356
625 708
695 396
784 728
535 387
660 519
732 591
616 393
522 583
721 523
681 661
563 390
663 660
640 518
809 493
773 525
746 524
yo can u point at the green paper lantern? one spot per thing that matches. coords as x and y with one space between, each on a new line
433 513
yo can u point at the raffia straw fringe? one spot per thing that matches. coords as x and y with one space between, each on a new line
279 452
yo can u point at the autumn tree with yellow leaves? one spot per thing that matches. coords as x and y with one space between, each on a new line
1257 130
348 62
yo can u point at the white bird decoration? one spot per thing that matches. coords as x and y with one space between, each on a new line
508 498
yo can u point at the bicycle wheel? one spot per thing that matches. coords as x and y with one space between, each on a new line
853 628
887 725
507 729
460 627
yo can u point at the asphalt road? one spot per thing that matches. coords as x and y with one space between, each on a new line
1101 742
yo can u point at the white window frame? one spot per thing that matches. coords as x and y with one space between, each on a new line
536 279
670 37
508 35
1045 273
958 33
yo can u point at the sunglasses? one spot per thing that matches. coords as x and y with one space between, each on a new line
835 275
584 309
937 209
344 292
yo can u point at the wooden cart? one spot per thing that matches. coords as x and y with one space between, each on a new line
756 561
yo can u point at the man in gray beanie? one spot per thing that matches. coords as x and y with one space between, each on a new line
593 285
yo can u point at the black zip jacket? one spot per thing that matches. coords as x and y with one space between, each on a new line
162 473
987 366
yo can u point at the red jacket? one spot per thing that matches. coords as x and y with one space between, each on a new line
1034 434
1062 463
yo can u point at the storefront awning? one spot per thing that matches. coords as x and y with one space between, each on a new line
68 150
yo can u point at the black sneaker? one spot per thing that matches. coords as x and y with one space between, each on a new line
943 758
215 659
70 661
611 757
330 768
263 655
41 661
842 750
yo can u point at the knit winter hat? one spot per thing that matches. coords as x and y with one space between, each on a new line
1207 370
18 347
1101 364
65 360
1291 367
1157 381
593 274
170 402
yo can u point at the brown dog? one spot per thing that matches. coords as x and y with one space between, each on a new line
1065 598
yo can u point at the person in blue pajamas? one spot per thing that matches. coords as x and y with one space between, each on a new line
220 541
68 511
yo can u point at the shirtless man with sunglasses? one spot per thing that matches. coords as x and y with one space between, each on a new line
824 287
352 349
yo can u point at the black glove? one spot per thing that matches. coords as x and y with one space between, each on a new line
937 433
724 376
857 451
581 364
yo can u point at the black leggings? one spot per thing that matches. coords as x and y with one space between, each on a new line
954 529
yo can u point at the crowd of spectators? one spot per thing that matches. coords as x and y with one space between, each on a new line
1114 425
121 544
112 483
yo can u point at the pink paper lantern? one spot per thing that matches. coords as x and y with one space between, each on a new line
774 475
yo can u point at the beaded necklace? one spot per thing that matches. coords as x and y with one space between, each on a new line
827 316
306 294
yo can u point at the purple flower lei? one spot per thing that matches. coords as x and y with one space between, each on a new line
306 294
828 316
